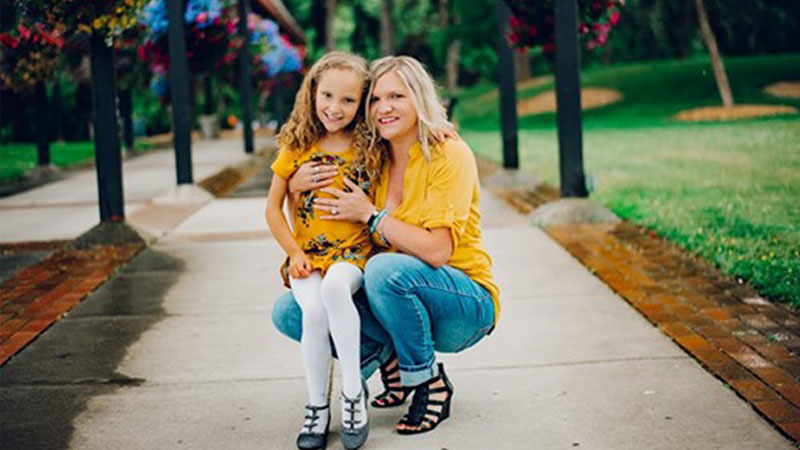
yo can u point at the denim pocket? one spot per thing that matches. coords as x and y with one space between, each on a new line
474 338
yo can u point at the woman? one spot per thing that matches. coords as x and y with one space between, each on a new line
433 289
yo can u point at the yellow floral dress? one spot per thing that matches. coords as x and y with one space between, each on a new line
326 241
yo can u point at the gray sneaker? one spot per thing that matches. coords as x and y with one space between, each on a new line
354 433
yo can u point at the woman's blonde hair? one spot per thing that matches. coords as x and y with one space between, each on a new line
303 128
431 114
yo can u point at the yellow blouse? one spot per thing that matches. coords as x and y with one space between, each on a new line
444 192
326 241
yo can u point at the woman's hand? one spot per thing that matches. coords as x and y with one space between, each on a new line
299 265
353 206
312 175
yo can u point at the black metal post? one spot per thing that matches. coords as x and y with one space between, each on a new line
108 161
179 90
126 111
245 82
568 100
508 90
208 96
42 125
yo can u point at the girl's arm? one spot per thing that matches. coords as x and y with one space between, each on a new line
299 265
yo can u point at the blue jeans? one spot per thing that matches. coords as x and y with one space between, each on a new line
410 308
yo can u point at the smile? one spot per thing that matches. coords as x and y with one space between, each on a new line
387 120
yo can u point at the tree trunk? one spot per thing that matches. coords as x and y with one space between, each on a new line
451 65
453 48
387 34
330 34
716 60
522 65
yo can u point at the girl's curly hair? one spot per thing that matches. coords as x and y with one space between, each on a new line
303 128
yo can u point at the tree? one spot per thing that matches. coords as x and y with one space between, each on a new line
387 30
720 76
330 17
453 47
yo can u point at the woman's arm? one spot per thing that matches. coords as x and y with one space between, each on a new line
276 221
434 246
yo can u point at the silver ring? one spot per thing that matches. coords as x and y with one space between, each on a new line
314 179
335 212
316 169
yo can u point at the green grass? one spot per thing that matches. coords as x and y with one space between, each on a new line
728 192
18 158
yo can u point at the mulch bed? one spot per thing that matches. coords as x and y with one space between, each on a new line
784 89
736 112
591 97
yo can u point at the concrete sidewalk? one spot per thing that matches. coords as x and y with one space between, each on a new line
66 208
178 351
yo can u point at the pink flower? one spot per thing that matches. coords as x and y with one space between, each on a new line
23 31
548 47
583 28
8 40
614 19
515 22
202 17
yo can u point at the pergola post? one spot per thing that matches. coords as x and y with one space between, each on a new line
179 91
508 90
245 81
568 100
108 160
42 125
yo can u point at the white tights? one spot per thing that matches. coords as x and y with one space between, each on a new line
327 305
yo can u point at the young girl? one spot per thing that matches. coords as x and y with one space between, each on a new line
326 258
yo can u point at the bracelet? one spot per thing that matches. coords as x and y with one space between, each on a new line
382 236
371 220
376 221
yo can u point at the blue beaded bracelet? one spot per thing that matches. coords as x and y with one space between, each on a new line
377 220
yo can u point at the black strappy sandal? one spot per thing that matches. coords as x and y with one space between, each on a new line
420 414
392 395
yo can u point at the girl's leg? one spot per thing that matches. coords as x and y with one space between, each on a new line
338 286
314 344
287 317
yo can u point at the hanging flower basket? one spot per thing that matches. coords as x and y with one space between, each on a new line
533 22
29 55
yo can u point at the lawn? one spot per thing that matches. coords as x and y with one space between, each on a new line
728 191
17 158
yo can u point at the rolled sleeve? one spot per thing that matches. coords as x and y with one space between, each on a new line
451 183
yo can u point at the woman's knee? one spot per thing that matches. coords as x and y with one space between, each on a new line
288 317
387 270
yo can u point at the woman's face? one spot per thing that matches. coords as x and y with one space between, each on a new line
392 109
337 98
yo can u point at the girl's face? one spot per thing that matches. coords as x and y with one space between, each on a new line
337 99
392 109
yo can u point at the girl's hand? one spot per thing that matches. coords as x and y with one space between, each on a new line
312 175
299 265
443 134
353 206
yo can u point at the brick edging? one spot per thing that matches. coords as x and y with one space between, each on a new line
40 294
750 344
